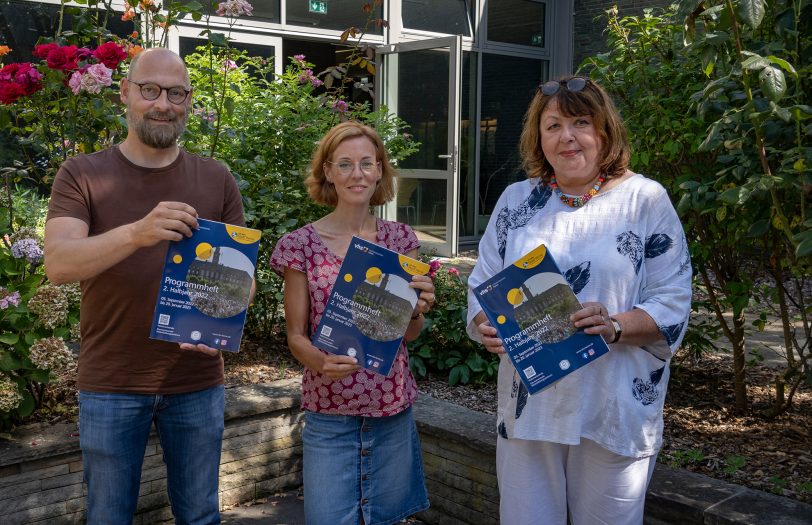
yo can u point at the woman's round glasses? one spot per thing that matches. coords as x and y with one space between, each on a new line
345 167
575 84
151 91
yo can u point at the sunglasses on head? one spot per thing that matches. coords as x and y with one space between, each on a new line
574 85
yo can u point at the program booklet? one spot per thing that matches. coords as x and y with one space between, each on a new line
206 286
370 306
529 303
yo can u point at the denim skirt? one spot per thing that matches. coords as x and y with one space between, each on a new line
358 466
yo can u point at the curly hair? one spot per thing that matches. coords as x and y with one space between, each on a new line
593 101
324 192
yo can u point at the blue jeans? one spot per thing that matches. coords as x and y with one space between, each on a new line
362 467
114 429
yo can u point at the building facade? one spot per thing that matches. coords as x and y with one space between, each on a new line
460 72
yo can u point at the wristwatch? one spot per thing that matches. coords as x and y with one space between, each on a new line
618 330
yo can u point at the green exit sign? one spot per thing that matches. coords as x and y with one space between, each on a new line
536 39
315 6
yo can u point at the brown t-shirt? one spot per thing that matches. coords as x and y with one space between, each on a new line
106 190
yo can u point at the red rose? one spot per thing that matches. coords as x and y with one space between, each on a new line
62 58
42 50
29 78
24 78
110 54
10 92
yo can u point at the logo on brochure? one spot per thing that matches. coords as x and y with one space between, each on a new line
196 335
217 341
564 364
352 352
223 342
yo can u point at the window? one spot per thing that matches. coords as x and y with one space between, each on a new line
451 17
23 23
339 15
508 85
517 22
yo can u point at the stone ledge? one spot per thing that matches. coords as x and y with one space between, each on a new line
675 496
32 442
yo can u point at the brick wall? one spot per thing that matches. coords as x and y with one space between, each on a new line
589 38
41 469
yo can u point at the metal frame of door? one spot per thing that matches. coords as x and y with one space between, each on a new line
386 62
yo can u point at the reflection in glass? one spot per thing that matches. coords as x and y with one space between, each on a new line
421 203
468 130
508 85
423 103
339 15
517 22
451 17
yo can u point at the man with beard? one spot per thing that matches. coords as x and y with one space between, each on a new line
110 218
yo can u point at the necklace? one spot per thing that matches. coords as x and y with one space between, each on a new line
576 201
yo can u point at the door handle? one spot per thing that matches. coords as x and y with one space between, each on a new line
443 156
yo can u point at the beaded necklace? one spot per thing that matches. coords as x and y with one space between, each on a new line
576 201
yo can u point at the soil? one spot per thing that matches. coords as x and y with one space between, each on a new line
702 432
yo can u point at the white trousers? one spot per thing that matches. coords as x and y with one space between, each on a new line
538 480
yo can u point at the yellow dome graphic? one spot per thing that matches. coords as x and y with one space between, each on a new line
203 250
177 259
501 319
348 277
515 296
374 275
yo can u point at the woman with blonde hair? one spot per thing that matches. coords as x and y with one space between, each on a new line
362 460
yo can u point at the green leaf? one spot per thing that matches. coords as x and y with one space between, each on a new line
755 62
783 64
9 338
730 196
26 405
758 228
773 83
751 12
805 246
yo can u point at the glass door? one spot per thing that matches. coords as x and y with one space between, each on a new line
420 83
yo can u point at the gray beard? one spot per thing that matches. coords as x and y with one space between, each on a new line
158 136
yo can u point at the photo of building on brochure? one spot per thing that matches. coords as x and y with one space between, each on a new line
383 305
548 297
225 276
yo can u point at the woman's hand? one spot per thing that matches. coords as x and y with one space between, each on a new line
426 299
337 367
490 340
594 319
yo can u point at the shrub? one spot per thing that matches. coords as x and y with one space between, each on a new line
444 346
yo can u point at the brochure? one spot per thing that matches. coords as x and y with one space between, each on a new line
529 303
370 306
206 286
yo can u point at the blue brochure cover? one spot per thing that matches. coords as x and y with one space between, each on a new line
206 286
529 303
370 306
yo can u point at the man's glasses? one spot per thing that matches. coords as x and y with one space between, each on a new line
150 91
345 167
575 84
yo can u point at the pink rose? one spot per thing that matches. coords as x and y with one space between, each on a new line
75 82
100 74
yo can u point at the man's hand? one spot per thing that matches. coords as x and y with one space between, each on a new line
168 221
213 352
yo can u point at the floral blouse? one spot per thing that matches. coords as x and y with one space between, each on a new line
363 393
